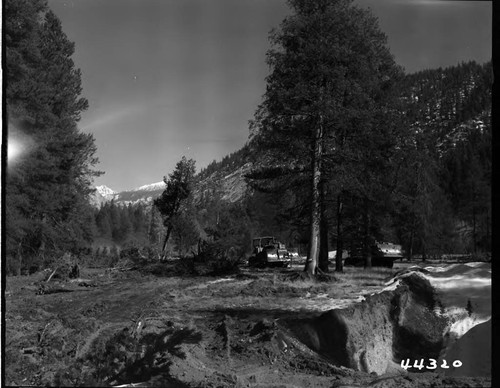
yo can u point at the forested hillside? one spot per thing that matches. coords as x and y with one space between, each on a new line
227 165
443 200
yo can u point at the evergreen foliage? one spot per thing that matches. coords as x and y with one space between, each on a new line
443 200
124 225
48 185
176 194
324 111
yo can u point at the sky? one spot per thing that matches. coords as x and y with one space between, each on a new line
167 78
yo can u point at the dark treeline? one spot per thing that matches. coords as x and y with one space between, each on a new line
50 165
124 225
443 195
431 193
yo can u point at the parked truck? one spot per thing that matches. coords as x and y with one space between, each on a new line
383 255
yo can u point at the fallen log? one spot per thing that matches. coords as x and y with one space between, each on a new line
41 336
123 269
52 274
85 284
30 350
130 385
43 290
80 280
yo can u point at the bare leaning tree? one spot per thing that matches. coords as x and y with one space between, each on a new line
179 187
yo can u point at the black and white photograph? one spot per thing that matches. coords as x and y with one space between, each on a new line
247 193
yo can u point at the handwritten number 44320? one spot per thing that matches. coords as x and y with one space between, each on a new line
433 364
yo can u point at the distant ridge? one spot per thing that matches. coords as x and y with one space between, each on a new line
227 174
151 187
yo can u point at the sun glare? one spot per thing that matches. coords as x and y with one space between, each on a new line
14 150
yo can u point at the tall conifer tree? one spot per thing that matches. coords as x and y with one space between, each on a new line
179 187
330 70
48 186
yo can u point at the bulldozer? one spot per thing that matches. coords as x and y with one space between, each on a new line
268 252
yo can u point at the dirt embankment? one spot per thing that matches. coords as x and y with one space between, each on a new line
384 328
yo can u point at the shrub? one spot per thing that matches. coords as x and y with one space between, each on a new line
209 251
153 253
224 266
12 266
133 253
64 267
186 266
219 259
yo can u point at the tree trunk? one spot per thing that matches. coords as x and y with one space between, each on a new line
323 234
367 254
20 256
339 264
410 255
474 238
488 240
412 236
167 235
323 245
312 256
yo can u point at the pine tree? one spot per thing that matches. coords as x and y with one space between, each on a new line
155 227
179 188
140 223
330 69
48 186
103 221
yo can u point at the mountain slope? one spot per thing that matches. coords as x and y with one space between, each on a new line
101 195
144 194
225 176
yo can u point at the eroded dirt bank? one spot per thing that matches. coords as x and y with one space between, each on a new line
251 330
384 328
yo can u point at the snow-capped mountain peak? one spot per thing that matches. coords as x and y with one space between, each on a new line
105 191
151 187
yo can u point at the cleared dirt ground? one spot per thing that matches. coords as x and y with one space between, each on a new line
122 328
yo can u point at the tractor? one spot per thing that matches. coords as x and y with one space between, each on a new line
268 252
